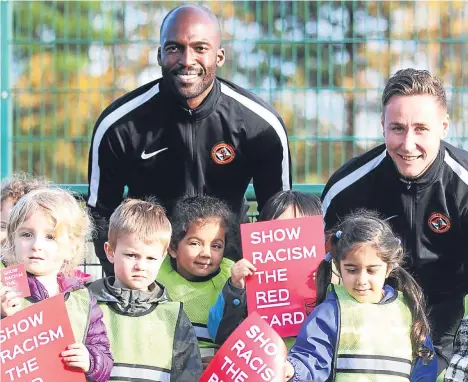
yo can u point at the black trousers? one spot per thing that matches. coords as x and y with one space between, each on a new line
107 267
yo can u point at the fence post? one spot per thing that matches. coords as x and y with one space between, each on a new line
6 164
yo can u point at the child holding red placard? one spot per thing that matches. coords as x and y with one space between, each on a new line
231 306
373 327
12 189
47 232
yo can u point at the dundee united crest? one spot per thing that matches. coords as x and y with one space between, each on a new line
439 222
222 153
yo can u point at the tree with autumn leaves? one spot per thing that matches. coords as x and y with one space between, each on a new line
321 64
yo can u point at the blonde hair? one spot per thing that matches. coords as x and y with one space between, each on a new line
20 184
144 218
69 217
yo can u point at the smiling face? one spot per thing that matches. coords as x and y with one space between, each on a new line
39 248
201 251
413 127
363 273
136 263
190 54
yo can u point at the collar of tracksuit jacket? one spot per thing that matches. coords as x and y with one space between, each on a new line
173 103
425 180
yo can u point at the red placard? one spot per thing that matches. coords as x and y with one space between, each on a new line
286 254
254 352
15 278
31 342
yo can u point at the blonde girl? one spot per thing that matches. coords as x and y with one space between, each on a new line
47 232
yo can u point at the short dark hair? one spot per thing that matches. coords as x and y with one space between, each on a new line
410 82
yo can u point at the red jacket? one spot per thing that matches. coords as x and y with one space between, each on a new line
97 343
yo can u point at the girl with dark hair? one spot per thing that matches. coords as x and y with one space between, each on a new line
203 231
231 306
373 327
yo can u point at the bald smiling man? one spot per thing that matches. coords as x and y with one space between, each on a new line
187 133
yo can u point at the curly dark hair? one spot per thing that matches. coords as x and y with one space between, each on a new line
192 209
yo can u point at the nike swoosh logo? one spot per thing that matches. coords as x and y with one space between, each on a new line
149 155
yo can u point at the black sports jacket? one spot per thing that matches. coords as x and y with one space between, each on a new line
429 214
147 141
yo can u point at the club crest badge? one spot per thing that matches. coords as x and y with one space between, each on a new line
223 153
439 223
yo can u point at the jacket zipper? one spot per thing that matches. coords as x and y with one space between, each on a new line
191 139
411 233
411 206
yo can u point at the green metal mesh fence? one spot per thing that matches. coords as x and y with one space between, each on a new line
321 64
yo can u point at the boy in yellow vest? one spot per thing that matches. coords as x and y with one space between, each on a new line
151 337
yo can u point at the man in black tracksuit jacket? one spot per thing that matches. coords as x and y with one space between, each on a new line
420 184
186 133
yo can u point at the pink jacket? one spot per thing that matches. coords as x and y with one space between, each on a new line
96 342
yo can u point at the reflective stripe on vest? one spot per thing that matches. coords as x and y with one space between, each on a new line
127 372
374 340
202 332
207 352
78 304
373 364
136 341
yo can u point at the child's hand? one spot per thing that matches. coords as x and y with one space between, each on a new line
77 356
288 371
9 303
239 271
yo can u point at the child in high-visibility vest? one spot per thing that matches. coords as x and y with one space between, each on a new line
231 306
372 327
151 337
203 230
47 232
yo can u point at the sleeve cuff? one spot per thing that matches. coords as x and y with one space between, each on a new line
238 292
